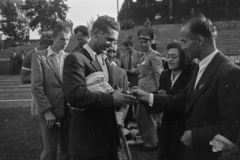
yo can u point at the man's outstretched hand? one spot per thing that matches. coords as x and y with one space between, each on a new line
120 99
140 94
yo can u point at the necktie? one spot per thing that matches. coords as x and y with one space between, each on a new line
103 60
130 62
194 77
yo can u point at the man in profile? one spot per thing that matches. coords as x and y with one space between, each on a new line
82 35
210 101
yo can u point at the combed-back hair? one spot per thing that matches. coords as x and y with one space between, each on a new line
184 61
201 25
104 23
127 43
59 27
83 29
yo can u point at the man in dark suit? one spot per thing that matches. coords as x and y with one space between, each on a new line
211 100
93 128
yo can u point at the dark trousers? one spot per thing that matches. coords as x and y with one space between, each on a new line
170 146
14 66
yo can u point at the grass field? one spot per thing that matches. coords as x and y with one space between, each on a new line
19 138
19 134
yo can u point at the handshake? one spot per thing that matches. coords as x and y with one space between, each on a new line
131 96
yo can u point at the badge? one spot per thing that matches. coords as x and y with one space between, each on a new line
143 62
201 86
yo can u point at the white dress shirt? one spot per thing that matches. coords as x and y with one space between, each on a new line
174 79
58 57
202 66
100 58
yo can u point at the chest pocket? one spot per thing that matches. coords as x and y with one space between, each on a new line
145 67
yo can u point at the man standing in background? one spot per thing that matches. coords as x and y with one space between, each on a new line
82 35
46 80
129 61
150 71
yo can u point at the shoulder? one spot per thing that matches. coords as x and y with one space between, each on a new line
166 72
41 52
76 56
75 48
227 65
137 52
156 53
29 55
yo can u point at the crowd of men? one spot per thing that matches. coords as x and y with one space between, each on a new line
79 124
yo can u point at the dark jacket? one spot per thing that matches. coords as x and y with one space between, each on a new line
211 109
91 130
172 128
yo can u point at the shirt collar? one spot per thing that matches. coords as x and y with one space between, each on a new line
50 52
203 64
90 51
176 77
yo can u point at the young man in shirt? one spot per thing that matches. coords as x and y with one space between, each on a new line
45 41
46 81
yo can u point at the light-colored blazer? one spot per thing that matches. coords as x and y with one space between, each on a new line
150 71
125 58
132 78
47 84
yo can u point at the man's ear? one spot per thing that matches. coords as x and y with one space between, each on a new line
200 40
95 32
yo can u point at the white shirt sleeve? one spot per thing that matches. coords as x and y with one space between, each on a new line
151 99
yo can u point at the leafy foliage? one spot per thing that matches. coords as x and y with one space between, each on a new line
45 14
13 21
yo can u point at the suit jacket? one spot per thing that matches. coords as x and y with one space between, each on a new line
211 109
150 71
124 59
91 130
47 84
120 80
173 117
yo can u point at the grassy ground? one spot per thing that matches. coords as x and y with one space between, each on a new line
18 134
19 139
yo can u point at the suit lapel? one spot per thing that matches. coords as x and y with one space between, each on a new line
110 72
204 81
95 63
54 66
178 82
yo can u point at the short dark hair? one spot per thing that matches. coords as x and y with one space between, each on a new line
185 62
103 23
201 25
61 26
46 39
127 43
82 29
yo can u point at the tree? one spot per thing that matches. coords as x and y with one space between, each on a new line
90 24
13 21
45 14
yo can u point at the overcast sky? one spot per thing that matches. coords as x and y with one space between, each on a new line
82 10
